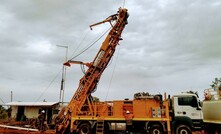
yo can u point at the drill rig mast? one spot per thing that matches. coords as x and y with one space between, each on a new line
82 101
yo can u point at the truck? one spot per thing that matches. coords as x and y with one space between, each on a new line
212 108
145 113
186 113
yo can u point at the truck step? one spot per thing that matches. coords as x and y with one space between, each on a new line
100 126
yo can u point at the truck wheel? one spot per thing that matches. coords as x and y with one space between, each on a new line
183 129
156 129
84 128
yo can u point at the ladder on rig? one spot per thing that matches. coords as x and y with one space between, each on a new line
100 126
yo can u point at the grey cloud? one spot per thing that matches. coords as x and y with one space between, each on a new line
167 45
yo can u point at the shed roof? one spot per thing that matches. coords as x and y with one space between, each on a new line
31 103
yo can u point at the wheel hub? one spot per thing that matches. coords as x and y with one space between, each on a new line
156 131
183 132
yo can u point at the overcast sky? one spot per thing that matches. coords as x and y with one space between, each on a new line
168 46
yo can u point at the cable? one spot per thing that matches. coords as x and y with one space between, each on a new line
108 89
83 69
123 3
2 101
81 42
48 86
90 45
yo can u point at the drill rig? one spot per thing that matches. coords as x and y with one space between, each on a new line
82 102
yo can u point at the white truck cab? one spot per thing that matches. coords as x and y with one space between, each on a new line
186 113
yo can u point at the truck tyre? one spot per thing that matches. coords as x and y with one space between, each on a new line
183 129
156 129
84 128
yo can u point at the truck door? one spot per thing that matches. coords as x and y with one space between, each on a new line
188 106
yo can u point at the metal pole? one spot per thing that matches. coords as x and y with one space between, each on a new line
11 95
65 68
61 99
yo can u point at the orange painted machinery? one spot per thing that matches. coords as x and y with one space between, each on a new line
142 114
82 101
145 113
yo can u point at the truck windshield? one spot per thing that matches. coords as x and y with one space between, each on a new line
188 101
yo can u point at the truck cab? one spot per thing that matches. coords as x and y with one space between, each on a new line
186 113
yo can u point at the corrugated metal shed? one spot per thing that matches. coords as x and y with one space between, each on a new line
31 103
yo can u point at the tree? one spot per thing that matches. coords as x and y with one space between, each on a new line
95 99
216 84
3 112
